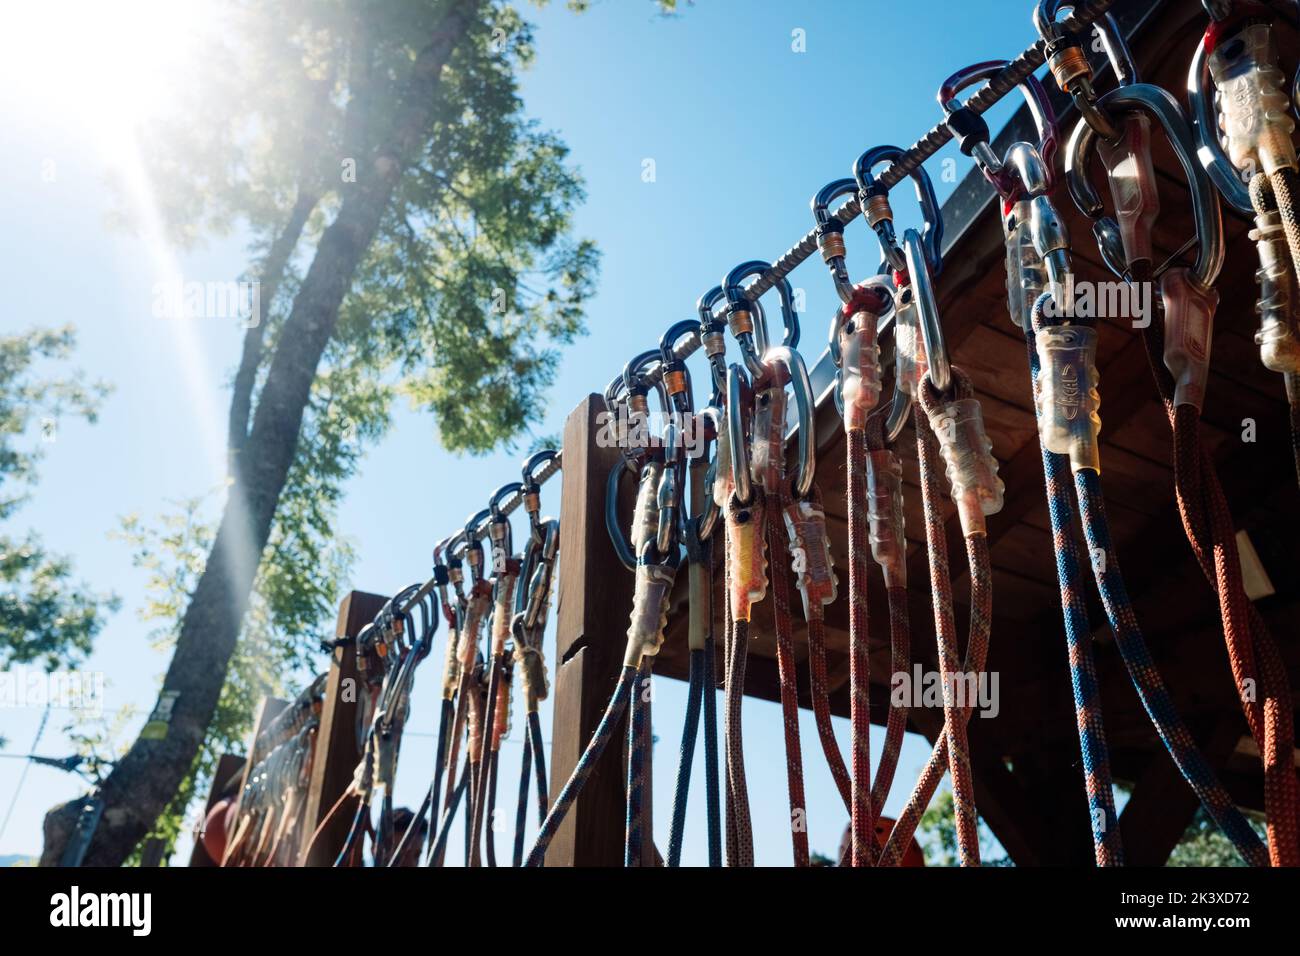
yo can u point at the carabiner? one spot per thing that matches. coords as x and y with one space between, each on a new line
874 199
830 233
532 486
751 335
1143 98
535 595
638 384
971 132
676 376
704 523
1205 127
940 370
473 546
737 451
622 549
1070 67
801 385
499 531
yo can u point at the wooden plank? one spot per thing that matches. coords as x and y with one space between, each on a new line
337 751
595 598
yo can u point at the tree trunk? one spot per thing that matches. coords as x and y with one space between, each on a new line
144 781
270 277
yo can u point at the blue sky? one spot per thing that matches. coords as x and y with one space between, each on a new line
745 110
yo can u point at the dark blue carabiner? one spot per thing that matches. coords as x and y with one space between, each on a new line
532 463
830 233
874 199
677 377
737 299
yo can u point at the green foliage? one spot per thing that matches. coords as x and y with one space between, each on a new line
473 282
27 397
1203 844
937 834
46 617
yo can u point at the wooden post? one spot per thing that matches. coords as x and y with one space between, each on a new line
595 598
337 752
228 765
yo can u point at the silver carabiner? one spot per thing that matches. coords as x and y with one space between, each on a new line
1205 127
1158 103
736 447
936 351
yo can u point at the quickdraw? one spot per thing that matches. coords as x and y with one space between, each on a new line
654 545
855 330
697 526
531 609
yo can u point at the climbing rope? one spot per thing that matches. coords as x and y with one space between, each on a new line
1178 351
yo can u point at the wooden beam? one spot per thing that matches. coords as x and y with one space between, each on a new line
337 750
595 598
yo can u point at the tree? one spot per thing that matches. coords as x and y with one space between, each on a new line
937 834
46 617
1203 843
389 140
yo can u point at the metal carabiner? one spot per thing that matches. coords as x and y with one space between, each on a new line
830 233
1153 101
972 132
797 372
737 451
748 328
500 534
668 490
936 351
874 199
676 376
1070 67
534 595
637 384
1201 92
1205 127
532 487
473 546
633 435
622 550
713 337
704 523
